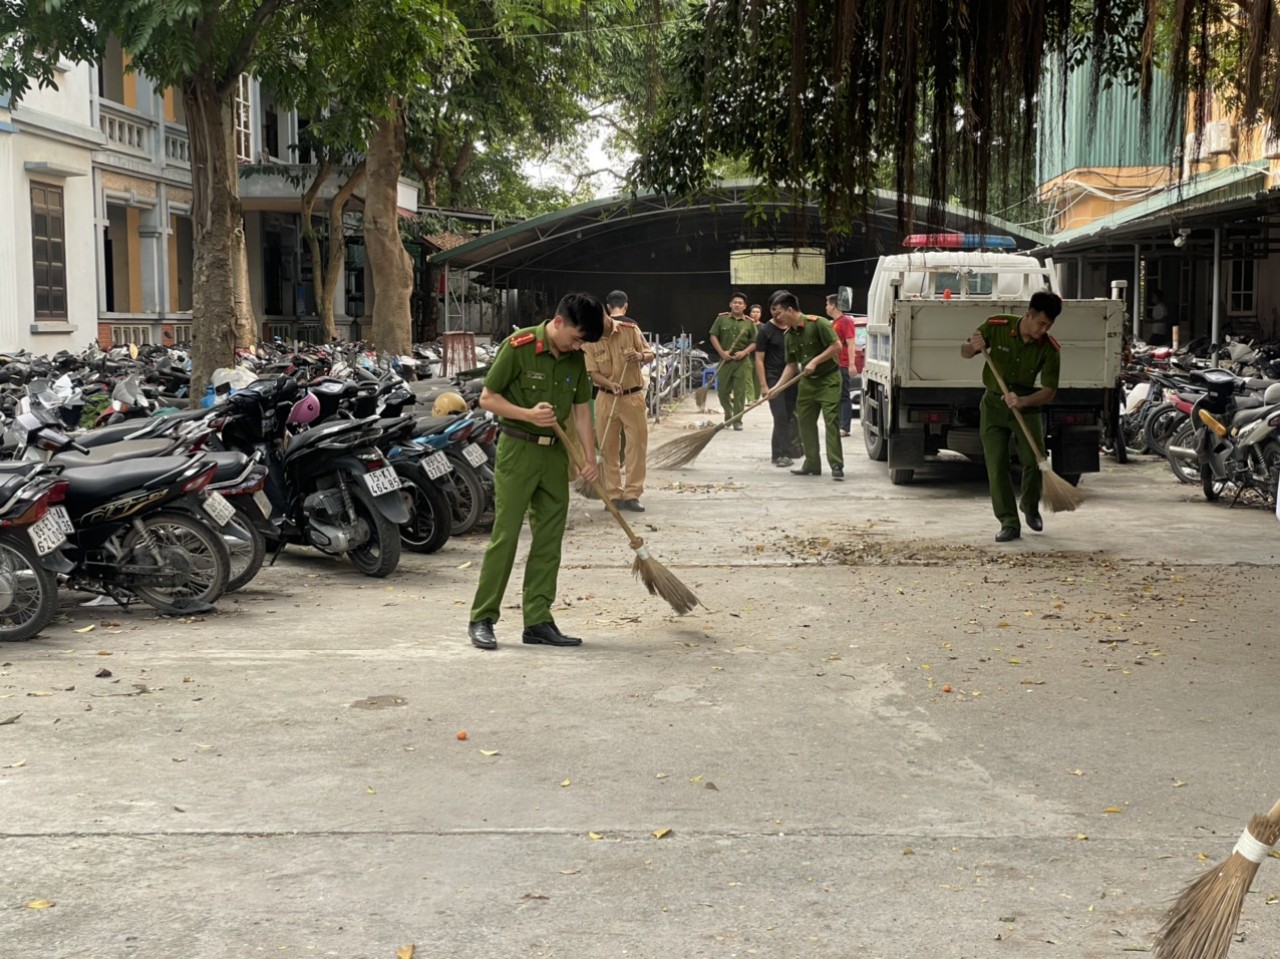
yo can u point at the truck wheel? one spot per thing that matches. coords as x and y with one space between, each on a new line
901 477
872 437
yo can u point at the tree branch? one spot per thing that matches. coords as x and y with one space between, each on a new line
239 59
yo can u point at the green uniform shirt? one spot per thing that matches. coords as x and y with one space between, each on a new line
734 335
811 337
1019 363
527 373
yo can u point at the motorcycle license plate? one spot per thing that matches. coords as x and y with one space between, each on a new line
263 502
216 505
474 454
383 481
64 519
436 465
46 534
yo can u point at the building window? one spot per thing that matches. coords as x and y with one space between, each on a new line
50 251
182 334
244 121
1240 294
124 335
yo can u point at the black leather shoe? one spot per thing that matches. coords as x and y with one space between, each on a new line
617 504
837 475
546 634
804 472
1007 533
481 633
1034 520
560 632
634 505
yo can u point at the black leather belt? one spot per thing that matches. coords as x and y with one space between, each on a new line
542 439
634 389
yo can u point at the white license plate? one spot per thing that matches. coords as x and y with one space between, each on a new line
383 481
474 454
263 503
64 519
46 534
436 465
216 505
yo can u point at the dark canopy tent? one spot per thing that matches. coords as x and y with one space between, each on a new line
672 256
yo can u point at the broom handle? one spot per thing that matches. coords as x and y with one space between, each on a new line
1017 413
777 387
636 541
1274 815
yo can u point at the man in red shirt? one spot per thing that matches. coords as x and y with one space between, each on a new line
845 330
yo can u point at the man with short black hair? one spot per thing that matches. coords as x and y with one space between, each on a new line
812 345
614 363
538 378
1021 349
733 337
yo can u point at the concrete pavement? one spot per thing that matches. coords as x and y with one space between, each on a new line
885 736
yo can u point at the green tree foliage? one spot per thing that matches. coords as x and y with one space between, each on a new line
829 97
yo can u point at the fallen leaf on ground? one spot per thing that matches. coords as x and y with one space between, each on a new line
405 952
18 765
594 835
567 782
466 565
661 833
41 904
488 752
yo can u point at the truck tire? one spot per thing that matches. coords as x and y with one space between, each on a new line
872 436
901 477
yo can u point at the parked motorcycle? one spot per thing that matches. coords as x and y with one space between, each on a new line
30 537
329 486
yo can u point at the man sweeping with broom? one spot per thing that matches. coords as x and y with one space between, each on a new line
1019 349
536 381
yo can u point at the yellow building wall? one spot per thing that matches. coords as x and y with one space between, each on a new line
170 114
130 83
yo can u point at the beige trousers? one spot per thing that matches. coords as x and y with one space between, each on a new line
616 416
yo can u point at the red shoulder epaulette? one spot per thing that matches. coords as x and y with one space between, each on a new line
998 321
626 323
524 339
1054 343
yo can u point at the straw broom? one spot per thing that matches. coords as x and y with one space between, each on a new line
685 449
1201 924
658 580
1059 495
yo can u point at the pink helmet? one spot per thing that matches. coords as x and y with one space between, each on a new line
304 411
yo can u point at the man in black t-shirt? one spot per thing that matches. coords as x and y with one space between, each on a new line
771 362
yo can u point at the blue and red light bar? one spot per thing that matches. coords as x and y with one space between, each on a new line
960 241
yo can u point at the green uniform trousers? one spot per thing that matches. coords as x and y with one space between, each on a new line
998 423
820 395
534 479
732 377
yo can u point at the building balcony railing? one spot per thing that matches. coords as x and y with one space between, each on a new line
126 131
177 148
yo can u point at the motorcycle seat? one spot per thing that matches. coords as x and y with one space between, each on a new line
1245 417
1259 385
361 432
91 485
1246 403
106 435
120 452
431 425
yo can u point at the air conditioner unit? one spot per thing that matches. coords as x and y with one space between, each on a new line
1220 137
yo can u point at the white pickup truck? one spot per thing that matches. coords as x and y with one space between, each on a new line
920 397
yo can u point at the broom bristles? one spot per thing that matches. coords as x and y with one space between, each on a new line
660 581
1202 922
1059 495
583 488
682 450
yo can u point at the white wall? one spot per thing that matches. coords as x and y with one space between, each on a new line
53 128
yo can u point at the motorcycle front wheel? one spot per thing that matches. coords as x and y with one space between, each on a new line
178 545
28 591
246 546
431 518
379 555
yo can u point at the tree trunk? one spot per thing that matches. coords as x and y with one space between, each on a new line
221 312
319 275
337 248
388 260
458 170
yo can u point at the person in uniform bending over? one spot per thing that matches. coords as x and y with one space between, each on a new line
812 346
1022 349
614 362
537 379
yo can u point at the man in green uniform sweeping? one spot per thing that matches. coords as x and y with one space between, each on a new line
1022 349
537 379
733 337
812 346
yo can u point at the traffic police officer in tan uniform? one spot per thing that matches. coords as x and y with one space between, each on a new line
1022 349
538 378
614 363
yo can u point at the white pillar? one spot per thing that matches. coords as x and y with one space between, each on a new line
1217 285
1137 288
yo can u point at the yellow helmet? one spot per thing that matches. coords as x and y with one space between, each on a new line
447 403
